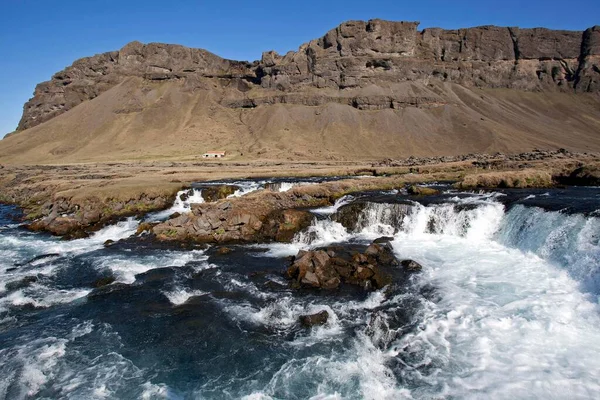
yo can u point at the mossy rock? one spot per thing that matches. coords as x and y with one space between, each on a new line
422 191
218 192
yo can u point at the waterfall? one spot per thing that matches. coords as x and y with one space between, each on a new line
570 241
441 219
182 204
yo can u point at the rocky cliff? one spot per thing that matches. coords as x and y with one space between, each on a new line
372 56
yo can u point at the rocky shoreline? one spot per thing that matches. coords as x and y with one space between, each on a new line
65 207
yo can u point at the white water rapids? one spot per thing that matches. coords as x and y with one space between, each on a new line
512 312
515 315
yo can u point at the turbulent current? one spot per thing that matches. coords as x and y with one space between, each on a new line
506 307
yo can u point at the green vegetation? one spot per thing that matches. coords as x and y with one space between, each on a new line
170 233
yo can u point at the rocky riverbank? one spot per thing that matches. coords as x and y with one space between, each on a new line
74 200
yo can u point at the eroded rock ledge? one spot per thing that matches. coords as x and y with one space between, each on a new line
259 217
71 207
371 55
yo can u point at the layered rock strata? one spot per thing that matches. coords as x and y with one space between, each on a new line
372 56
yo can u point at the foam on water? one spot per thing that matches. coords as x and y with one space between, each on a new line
570 241
19 248
287 186
58 367
41 296
125 267
30 245
182 204
322 233
358 373
180 296
508 323
247 187
158 391
510 314
383 219
283 313
342 201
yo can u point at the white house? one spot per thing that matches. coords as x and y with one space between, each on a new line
214 154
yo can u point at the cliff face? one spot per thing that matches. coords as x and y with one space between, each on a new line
91 76
361 53
356 54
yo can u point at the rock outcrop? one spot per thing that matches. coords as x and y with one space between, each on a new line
311 320
370 55
217 192
329 267
76 218
90 76
266 216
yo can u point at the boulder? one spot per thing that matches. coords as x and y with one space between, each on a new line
421 191
348 215
383 239
61 226
411 266
104 281
262 217
144 227
311 320
21 283
186 194
329 267
217 192
384 254
282 225
223 250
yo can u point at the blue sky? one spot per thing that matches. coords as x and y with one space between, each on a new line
39 38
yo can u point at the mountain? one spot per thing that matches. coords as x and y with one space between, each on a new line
365 90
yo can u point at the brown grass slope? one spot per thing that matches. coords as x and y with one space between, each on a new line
141 120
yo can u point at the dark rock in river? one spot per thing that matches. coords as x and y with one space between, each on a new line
348 215
319 318
217 192
422 191
186 194
223 250
329 267
282 225
104 281
21 283
411 266
145 227
39 258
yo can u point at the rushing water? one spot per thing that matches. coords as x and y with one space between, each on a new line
505 307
